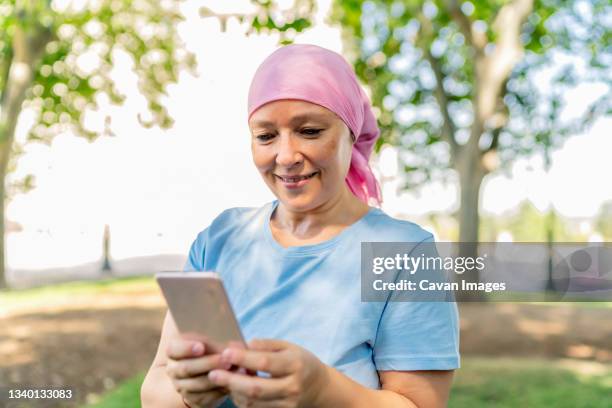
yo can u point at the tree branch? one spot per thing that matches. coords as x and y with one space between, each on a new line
498 65
26 53
442 98
477 39
493 70
494 140
4 74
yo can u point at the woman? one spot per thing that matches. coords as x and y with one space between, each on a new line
292 267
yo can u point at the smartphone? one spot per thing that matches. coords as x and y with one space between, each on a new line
201 309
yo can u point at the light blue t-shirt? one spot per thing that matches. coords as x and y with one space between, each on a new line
311 295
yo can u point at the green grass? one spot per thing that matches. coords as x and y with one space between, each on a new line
500 383
550 298
126 395
596 305
505 383
46 295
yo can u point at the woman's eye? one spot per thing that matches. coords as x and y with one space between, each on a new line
310 131
265 137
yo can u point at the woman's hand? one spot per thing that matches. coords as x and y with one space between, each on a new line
188 368
297 377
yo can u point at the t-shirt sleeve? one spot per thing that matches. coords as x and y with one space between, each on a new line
418 335
195 258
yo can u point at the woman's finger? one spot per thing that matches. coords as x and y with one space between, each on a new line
275 363
253 387
178 349
195 385
191 367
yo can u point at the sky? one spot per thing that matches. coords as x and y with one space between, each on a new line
157 189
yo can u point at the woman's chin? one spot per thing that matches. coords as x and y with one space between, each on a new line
299 202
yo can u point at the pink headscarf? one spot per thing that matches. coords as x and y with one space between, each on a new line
318 75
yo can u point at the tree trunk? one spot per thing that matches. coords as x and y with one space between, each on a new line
6 141
26 51
3 281
27 48
470 182
471 174
8 123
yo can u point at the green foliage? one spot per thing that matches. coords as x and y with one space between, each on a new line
71 53
7 22
74 70
126 395
419 60
604 220
528 224
287 23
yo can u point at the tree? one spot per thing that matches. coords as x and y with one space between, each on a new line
604 220
531 225
57 62
454 81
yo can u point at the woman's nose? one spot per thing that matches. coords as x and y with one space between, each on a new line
288 153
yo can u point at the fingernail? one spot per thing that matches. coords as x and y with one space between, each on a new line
226 355
213 375
197 348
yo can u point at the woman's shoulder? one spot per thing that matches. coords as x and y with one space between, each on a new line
383 227
237 218
238 215
233 226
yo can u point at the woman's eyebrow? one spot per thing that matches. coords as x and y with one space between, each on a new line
295 120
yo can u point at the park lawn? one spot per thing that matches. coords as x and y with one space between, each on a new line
49 295
523 382
485 382
111 284
126 395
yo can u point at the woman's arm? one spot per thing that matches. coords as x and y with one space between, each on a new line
157 389
178 366
400 389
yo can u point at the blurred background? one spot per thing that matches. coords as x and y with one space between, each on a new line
123 134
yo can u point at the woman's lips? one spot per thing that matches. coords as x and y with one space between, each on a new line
293 182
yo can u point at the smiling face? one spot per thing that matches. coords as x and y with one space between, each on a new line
303 152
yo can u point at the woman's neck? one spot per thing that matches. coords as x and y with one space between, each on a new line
337 213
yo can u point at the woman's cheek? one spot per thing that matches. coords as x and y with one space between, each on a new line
337 159
260 159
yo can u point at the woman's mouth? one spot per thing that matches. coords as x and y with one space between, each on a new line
296 181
